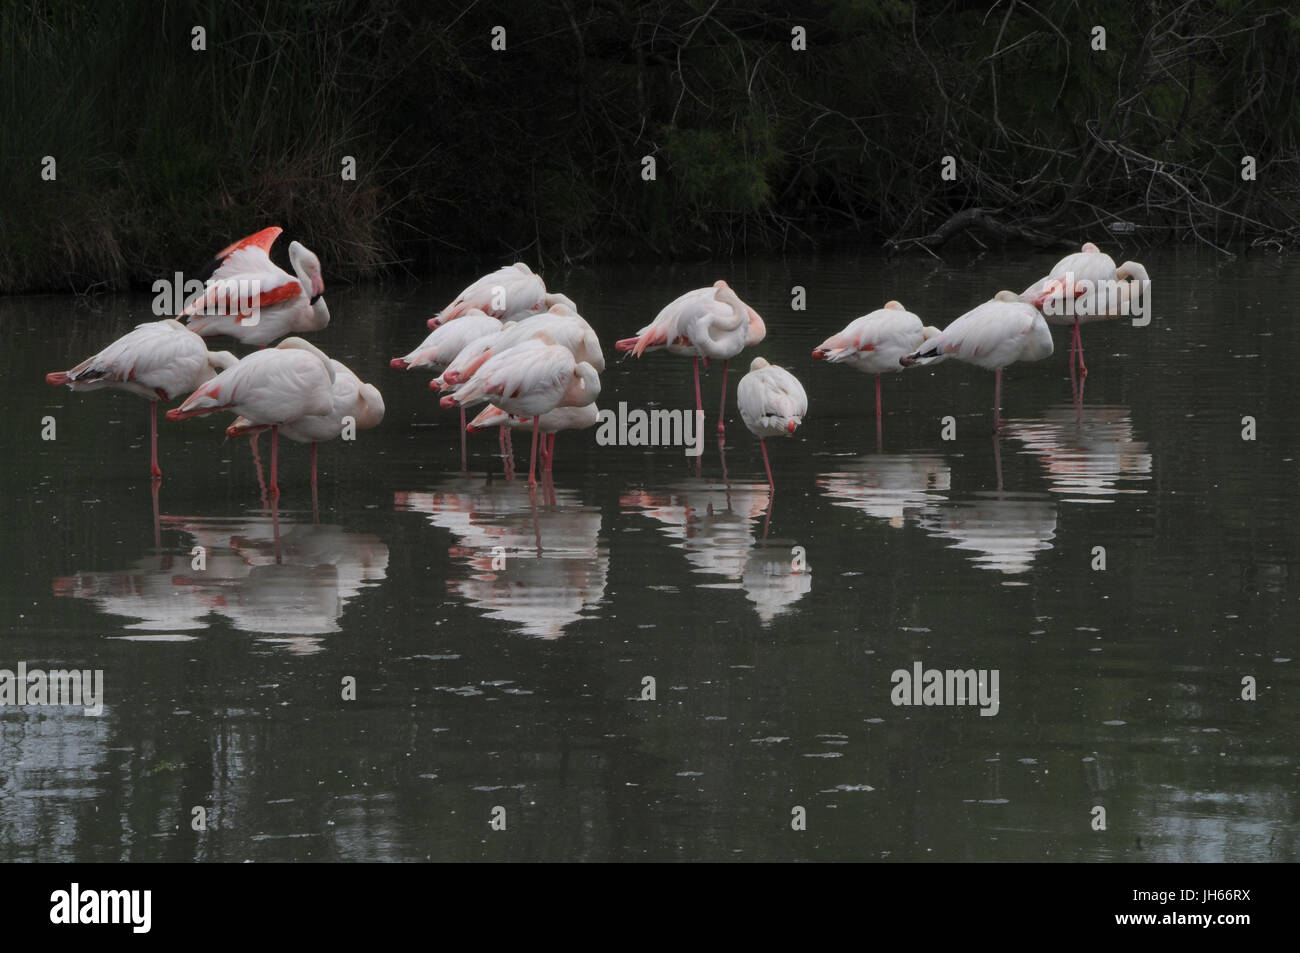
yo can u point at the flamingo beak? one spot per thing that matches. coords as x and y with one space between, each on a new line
790 427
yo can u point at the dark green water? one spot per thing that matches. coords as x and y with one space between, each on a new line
480 687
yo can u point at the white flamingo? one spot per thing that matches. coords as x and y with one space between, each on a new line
159 360
874 342
514 291
441 348
556 326
992 335
705 323
1093 275
271 387
285 304
528 380
772 404
350 398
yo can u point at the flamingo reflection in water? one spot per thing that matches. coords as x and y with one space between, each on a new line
290 586
539 569
711 523
1089 455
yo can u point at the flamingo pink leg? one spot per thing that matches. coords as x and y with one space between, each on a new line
532 459
1078 341
722 410
878 413
275 460
695 362
154 470
313 468
770 482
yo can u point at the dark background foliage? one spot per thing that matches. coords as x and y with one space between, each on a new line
462 152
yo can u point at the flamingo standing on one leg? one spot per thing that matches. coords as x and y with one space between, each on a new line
529 380
1100 291
271 387
992 335
772 404
705 323
249 297
159 360
350 397
874 342
441 347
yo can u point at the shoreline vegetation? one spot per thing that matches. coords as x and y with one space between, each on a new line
164 152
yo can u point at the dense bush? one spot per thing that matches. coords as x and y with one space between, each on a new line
164 153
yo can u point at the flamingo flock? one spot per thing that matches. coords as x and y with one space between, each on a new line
526 352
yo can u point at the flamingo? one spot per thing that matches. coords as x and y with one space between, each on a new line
705 323
528 380
874 342
442 346
159 360
349 397
274 386
556 326
1094 274
285 304
992 335
550 423
511 292
772 404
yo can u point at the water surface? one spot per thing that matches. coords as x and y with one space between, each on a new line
483 683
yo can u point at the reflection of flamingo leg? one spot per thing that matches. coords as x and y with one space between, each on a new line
154 470
722 410
157 528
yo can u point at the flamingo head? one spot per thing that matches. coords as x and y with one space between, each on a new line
221 360
894 306
1090 249
307 266
758 363
1132 271
372 407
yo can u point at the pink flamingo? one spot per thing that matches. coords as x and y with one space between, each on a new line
159 360
705 323
1090 275
442 346
772 404
350 398
270 387
511 292
992 335
874 342
285 304
529 380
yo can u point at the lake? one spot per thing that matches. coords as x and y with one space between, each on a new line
502 647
